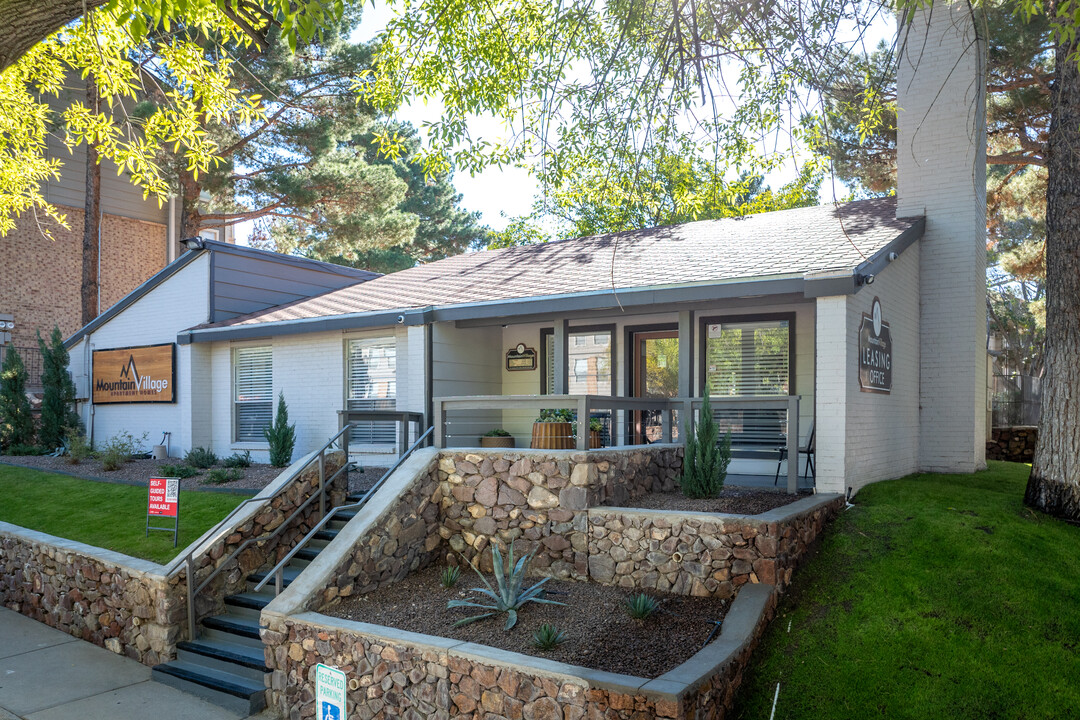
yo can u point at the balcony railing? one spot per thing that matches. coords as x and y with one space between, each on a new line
403 426
760 426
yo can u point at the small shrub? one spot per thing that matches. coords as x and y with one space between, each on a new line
705 461
21 449
118 449
507 595
497 432
281 436
177 471
548 637
640 606
237 460
450 576
218 476
78 449
200 457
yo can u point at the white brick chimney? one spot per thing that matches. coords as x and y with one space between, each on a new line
941 173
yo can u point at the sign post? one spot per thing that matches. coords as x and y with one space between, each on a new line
164 501
329 693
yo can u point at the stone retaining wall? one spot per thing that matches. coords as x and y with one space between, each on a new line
401 535
392 673
118 602
136 607
263 520
1014 444
539 499
690 553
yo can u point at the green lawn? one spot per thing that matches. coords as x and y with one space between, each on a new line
104 514
937 596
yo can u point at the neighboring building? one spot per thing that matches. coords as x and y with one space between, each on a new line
41 279
869 315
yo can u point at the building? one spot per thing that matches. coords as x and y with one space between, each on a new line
41 279
862 323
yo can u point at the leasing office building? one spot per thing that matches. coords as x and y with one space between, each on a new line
872 313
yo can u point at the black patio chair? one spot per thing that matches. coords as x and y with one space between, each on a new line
807 450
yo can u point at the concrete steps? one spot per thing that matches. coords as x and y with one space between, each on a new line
226 663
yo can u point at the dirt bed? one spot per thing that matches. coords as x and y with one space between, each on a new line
732 501
600 634
139 472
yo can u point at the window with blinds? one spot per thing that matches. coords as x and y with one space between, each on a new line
371 384
749 359
253 392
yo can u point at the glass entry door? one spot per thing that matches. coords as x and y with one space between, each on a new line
656 375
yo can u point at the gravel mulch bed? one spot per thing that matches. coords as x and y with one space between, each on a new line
600 634
733 500
139 472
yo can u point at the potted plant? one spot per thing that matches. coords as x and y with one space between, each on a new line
595 426
497 438
553 430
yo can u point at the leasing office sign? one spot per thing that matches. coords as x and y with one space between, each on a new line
875 352
135 375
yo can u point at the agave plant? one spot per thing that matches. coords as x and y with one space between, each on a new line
507 594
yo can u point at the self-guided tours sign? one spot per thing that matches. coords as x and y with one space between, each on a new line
135 375
164 502
329 693
875 352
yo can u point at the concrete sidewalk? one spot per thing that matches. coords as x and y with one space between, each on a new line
48 675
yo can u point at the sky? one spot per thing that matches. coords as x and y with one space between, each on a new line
500 194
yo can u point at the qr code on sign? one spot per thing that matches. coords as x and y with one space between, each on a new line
172 489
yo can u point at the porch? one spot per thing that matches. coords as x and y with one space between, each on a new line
765 429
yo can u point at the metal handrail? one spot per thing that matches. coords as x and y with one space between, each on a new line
278 570
224 528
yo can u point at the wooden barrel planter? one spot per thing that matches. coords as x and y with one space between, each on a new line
594 440
496 441
552 436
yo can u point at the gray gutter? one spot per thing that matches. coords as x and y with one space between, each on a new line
152 282
844 281
849 282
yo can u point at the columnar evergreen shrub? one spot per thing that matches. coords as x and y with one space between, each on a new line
281 435
16 423
58 414
705 461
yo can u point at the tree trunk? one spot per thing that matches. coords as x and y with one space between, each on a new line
25 23
1054 484
91 291
190 217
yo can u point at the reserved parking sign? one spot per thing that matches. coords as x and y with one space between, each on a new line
329 693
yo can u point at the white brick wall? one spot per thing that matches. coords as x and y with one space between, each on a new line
941 161
179 302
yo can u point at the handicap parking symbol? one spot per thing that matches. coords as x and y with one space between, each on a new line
329 712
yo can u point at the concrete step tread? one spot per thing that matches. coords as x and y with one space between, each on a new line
244 655
245 627
288 574
252 601
214 680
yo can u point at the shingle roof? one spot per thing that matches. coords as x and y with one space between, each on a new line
787 243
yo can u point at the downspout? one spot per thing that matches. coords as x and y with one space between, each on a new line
88 368
101 221
170 251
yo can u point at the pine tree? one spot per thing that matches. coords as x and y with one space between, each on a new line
705 461
281 436
16 422
58 414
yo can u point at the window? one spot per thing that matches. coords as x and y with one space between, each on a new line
371 384
747 358
253 392
589 355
